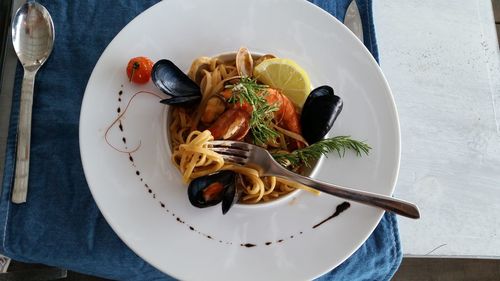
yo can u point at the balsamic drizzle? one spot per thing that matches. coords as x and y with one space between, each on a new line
339 209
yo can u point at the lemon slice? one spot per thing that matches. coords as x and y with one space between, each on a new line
287 76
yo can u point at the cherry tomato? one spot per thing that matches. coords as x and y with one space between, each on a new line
139 70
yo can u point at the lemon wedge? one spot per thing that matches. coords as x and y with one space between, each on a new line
287 76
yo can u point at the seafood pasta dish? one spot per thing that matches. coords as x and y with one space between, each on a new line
259 99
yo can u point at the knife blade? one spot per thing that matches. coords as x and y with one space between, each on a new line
352 20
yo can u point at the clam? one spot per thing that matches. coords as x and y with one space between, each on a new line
263 58
197 68
213 189
244 62
320 111
175 83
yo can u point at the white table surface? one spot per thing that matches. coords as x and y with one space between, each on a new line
442 59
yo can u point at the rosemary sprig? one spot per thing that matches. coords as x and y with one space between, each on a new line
248 91
339 144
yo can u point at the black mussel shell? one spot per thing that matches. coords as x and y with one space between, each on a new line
210 190
320 110
232 194
172 81
187 100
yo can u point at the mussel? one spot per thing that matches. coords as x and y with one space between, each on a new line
320 110
175 83
181 100
216 105
213 189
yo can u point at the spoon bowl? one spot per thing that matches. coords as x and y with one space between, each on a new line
32 35
33 40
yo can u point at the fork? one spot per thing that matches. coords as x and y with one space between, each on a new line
259 158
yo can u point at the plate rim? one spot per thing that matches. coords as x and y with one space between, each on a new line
388 93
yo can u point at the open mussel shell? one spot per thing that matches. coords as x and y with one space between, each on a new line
187 100
232 194
172 81
210 190
321 109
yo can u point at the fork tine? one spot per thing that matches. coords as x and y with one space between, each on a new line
231 151
231 144
234 159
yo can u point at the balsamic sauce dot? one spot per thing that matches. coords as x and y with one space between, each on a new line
162 204
281 240
268 243
150 191
340 209
124 140
137 172
118 110
191 228
130 158
146 185
120 126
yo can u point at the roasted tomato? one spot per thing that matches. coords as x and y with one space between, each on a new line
233 124
139 70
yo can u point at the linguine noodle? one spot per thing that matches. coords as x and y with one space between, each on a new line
191 149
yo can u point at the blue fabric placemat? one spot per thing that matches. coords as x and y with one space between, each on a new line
60 225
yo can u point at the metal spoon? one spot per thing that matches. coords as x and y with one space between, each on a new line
33 39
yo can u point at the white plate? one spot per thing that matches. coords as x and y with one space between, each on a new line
181 31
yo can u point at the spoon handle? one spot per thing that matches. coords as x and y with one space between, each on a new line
20 189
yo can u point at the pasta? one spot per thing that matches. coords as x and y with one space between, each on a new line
190 139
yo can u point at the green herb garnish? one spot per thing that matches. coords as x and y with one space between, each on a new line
339 144
135 66
248 91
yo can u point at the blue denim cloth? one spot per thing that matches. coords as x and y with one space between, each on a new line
61 225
